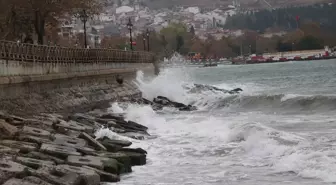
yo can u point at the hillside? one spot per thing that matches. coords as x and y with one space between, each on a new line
245 4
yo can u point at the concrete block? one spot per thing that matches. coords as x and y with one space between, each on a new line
122 143
52 176
104 176
30 180
33 163
59 151
9 169
35 132
7 130
33 139
121 158
88 176
92 141
42 156
112 165
69 141
24 147
92 161
8 150
72 125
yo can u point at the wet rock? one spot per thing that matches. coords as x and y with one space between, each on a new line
112 165
86 150
61 139
164 101
88 176
58 151
9 169
137 159
7 130
137 125
24 147
58 177
121 143
30 180
134 135
111 147
201 87
104 176
87 160
137 150
35 132
42 156
92 141
33 163
119 117
121 158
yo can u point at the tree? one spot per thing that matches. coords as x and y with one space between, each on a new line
309 42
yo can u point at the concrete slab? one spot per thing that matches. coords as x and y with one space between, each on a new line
10 169
50 175
122 158
89 176
30 180
24 147
7 130
61 139
104 176
73 125
35 132
122 143
8 150
33 163
58 150
94 143
33 139
42 156
92 161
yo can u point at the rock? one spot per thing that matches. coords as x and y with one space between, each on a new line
24 147
164 101
59 151
30 180
111 147
9 169
137 159
35 132
92 141
41 156
7 130
119 117
33 163
104 176
88 176
235 91
55 177
121 158
87 160
137 150
8 150
69 141
106 164
122 143
137 125
86 150
82 118
112 165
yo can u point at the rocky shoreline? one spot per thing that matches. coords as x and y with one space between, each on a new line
52 149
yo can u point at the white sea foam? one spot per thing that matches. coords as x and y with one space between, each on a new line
226 148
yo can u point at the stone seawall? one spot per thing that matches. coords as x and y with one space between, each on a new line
66 92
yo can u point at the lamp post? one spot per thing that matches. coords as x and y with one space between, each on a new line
130 27
144 41
84 18
147 34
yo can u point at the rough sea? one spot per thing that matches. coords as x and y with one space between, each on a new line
281 130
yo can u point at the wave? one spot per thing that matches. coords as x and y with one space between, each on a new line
288 102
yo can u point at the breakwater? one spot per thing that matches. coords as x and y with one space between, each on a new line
53 101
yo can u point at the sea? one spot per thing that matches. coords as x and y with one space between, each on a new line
281 130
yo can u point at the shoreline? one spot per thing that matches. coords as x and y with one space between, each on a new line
51 149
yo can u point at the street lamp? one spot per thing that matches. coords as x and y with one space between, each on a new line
130 27
147 34
144 41
84 18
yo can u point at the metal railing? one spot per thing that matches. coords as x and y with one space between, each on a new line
28 59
